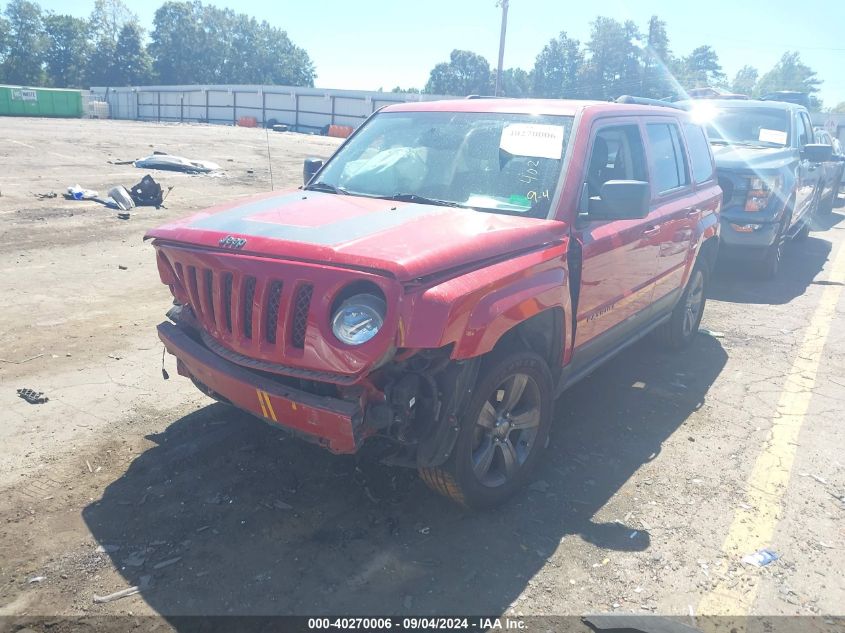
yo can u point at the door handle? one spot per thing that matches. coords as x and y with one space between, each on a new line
652 230
693 213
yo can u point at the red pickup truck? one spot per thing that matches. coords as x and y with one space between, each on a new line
445 275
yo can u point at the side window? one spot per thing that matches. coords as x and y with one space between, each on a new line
670 170
803 134
617 154
807 125
699 153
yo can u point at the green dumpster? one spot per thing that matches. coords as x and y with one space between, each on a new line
52 102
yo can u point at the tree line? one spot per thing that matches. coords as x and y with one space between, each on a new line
193 43
189 43
618 59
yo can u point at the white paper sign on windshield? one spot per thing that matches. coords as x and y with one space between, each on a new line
537 140
772 136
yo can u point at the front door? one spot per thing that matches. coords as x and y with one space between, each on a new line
808 173
618 256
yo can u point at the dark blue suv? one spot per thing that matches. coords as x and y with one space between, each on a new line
767 164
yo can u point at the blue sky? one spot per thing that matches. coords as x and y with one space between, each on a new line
380 43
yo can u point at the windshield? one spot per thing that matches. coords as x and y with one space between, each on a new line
763 127
504 163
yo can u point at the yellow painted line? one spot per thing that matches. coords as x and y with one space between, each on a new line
754 528
269 406
261 402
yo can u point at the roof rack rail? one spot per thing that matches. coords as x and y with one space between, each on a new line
484 97
645 101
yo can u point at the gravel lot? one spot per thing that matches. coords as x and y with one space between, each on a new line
663 471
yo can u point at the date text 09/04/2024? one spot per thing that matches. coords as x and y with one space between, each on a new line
416 624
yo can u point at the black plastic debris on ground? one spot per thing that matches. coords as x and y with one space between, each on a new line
147 193
32 396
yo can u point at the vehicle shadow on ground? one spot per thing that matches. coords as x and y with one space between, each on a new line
739 282
226 515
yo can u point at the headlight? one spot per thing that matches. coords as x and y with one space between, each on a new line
358 319
759 192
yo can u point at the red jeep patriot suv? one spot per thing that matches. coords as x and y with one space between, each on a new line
451 270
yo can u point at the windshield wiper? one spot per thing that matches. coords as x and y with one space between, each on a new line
324 186
412 197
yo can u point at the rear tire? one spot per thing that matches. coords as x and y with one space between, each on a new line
682 327
503 432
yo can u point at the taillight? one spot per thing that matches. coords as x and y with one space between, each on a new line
760 191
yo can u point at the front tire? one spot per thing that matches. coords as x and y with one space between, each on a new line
503 431
680 329
770 265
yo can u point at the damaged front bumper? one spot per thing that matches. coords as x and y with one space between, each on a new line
332 422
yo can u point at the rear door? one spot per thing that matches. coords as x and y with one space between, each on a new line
673 205
618 256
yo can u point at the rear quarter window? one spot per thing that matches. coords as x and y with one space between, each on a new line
699 153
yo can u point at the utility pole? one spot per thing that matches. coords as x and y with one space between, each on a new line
504 5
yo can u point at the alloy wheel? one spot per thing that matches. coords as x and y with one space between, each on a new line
506 430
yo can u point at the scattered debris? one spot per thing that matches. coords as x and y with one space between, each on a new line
32 396
46 196
281 505
424 530
148 193
123 593
75 192
87 463
122 267
821 480
712 333
176 163
638 385
21 362
122 198
36 579
761 558
167 563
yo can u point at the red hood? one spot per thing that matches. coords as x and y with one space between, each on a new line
406 240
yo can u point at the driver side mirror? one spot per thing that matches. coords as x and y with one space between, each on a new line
817 153
621 200
311 167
